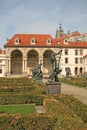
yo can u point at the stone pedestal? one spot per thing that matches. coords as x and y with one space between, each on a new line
53 88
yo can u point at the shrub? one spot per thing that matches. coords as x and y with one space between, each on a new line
27 122
79 108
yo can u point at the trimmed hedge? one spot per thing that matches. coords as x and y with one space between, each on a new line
79 82
21 99
79 108
27 122
65 118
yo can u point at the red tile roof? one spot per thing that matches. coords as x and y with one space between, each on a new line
73 44
40 41
25 40
76 33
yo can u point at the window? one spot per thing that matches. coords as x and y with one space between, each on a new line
0 61
81 52
0 71
76 60
66 60
33 41
66 40
81 60
66 51
16 41
76 70
48 41
76 52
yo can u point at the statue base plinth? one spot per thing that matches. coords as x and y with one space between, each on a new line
53 88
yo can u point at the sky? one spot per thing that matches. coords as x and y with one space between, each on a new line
41 17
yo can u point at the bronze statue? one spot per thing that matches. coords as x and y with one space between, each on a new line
68 72
55 67
37 73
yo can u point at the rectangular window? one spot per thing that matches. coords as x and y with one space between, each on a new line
0 61
76 52
66 51
76 60
81 52
66 60
0 71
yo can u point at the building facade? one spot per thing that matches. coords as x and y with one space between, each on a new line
2 63
23 53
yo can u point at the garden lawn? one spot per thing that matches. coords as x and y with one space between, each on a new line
17 109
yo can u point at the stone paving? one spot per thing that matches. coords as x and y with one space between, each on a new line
80 93
40 109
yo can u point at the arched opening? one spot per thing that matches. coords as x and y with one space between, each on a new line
81 71
47 67
16 62
32 61
76 71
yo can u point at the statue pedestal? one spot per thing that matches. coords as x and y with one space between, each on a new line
53 88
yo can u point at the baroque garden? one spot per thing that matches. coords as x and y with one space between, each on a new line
20 95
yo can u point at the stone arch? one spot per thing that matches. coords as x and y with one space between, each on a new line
47 67
16 62
32 61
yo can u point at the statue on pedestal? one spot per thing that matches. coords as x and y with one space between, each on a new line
55 67
68 73
37 73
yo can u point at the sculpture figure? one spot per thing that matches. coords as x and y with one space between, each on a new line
68 73
37 73
55 67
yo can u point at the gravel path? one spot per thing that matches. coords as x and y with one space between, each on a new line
80 93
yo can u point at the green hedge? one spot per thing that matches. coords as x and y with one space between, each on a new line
79 82
21 99
65 118
27 122
79 108
39 122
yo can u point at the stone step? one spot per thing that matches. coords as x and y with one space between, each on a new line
40 109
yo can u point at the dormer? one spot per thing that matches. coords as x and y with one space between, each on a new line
16 41
66 41
48 41
33 41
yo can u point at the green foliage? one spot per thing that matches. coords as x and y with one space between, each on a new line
27 122
7 99
79 108
80 82
65 118
20 91
63 112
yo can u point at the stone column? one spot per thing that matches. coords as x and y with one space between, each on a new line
24 65
8 67
9 63
41 61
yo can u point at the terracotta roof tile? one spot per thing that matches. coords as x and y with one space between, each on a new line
73 44
76 33
25 40
40 41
